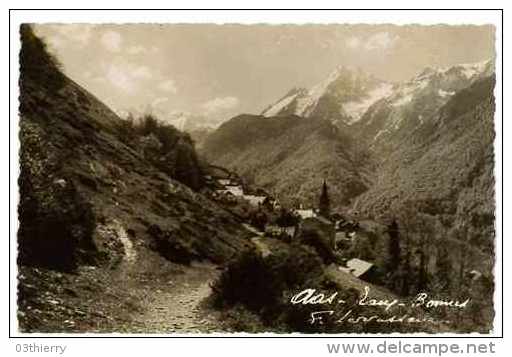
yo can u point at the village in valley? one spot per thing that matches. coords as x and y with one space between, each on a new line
362 249
335 234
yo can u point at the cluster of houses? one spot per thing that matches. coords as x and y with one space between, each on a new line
230 189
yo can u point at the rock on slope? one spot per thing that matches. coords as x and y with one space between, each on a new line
289 155
84 193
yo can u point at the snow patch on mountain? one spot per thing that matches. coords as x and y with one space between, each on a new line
356 109
306 104
279 106
442 93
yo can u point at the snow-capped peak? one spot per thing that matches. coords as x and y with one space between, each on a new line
351 91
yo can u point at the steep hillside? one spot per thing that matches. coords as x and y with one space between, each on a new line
445 170
84 188
290 156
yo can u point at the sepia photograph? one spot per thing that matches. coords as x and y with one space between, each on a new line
264 178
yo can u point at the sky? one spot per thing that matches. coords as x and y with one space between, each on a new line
219 71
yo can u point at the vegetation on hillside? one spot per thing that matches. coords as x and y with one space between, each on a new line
290 157
169 149
83 175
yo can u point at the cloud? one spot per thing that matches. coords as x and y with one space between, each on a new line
135 50
111 40
378 41
168 86
119 78
125 75
141 72
139 49
220 104
381 41
353 42
59 36
158 101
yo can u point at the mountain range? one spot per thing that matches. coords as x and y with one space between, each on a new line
378 145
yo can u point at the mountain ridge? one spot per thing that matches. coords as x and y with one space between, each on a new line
289 154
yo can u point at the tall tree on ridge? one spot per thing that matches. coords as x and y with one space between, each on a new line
324 204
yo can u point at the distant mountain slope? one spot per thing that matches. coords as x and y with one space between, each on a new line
446 167
343 96
393 118
84 189
378 112
291 156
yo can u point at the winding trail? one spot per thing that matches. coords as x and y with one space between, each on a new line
178 307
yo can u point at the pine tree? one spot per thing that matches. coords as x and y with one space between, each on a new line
444 267
325 203
406 276
422 273
394 247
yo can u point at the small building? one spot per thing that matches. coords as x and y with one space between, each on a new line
225 182
272 230
235 190
344 240
306 213
289 230
360 269
254 200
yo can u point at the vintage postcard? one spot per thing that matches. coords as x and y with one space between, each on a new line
256 178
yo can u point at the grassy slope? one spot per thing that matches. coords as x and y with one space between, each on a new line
289 155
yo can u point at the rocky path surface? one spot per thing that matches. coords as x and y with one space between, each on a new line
179 307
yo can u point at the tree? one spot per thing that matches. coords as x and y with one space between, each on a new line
149 125
406 269
422 283
443 267
393 247
324 203
286 218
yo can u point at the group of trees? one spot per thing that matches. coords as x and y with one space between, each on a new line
423 255
418 259
169 149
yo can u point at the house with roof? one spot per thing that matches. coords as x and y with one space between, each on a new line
224 182
254 200
234 190
360 269
305 213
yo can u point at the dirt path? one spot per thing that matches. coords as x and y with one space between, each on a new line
144 294
179 306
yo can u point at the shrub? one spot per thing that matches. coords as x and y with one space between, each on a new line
171 247
55 232
263 284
